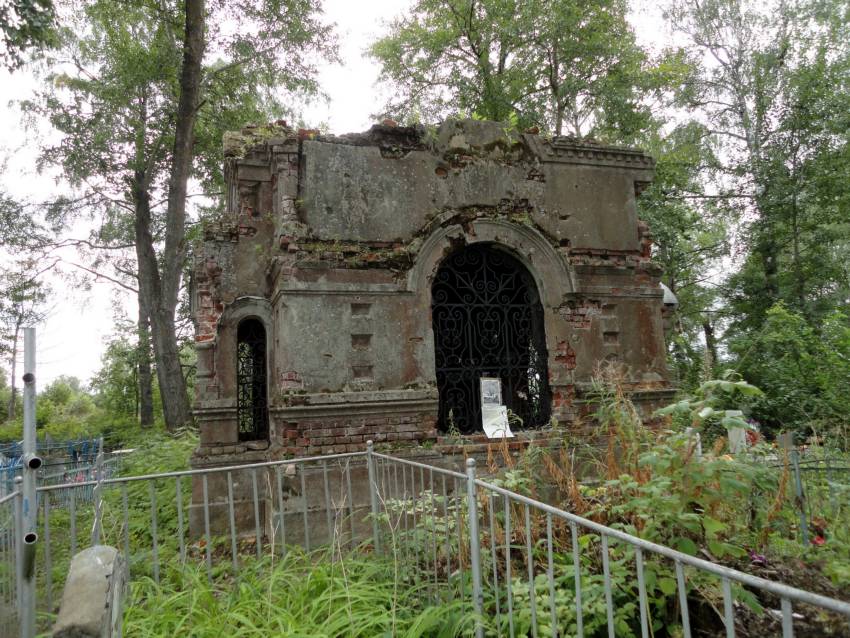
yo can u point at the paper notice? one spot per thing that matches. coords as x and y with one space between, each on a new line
495 421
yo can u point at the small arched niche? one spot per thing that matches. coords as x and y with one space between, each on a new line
488 322
252 408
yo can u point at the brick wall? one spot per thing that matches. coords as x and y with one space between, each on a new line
310 437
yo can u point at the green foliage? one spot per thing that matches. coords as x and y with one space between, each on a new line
712 505
23 297
685 501
690 236
66 409
773 100
114 107
716 399
63 402
565 65
5 395
804 372
115 385
19 229
25 26
316 594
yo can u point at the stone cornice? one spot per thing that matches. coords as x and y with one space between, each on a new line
631 292
346 404
332 410
568 150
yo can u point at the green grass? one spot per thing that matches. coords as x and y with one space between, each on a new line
301 594
298 595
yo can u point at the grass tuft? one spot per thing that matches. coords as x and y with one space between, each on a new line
299 595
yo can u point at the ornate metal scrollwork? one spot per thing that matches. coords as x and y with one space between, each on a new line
488 321
251 387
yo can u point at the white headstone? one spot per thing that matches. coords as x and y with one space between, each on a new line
737 440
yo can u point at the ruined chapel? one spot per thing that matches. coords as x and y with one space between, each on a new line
359 287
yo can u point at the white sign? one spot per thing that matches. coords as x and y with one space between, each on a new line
494 418
494 415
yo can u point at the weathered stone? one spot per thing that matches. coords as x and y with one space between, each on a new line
92 599
333 245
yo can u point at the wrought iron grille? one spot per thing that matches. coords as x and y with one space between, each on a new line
488 322
251 398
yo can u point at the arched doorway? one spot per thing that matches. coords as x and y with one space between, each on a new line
251 383
488 322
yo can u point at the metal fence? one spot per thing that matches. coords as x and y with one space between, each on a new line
9 561
63 462
517 545
821 487
257 509
81 450
522 566
818 484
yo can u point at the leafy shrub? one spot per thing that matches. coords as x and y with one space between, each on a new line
803 369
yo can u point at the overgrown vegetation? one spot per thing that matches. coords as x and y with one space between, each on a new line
297 595
652 483
67 410
743 104
804 370
738 510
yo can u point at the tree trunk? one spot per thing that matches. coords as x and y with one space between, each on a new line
559 119
768 252
161 288
145 377
710 346
799 277
169 373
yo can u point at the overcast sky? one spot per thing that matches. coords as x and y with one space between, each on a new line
72 338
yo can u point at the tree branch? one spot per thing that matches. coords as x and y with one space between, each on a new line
100 275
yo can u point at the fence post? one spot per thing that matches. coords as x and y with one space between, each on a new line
98 495
29 504
832 503
474 547
18 525
373 495
801 499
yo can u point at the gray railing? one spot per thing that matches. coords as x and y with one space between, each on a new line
821 485
10 559
501 527
522 566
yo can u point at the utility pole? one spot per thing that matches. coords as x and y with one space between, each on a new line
29 505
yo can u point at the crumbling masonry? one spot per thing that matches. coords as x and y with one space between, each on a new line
359 285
